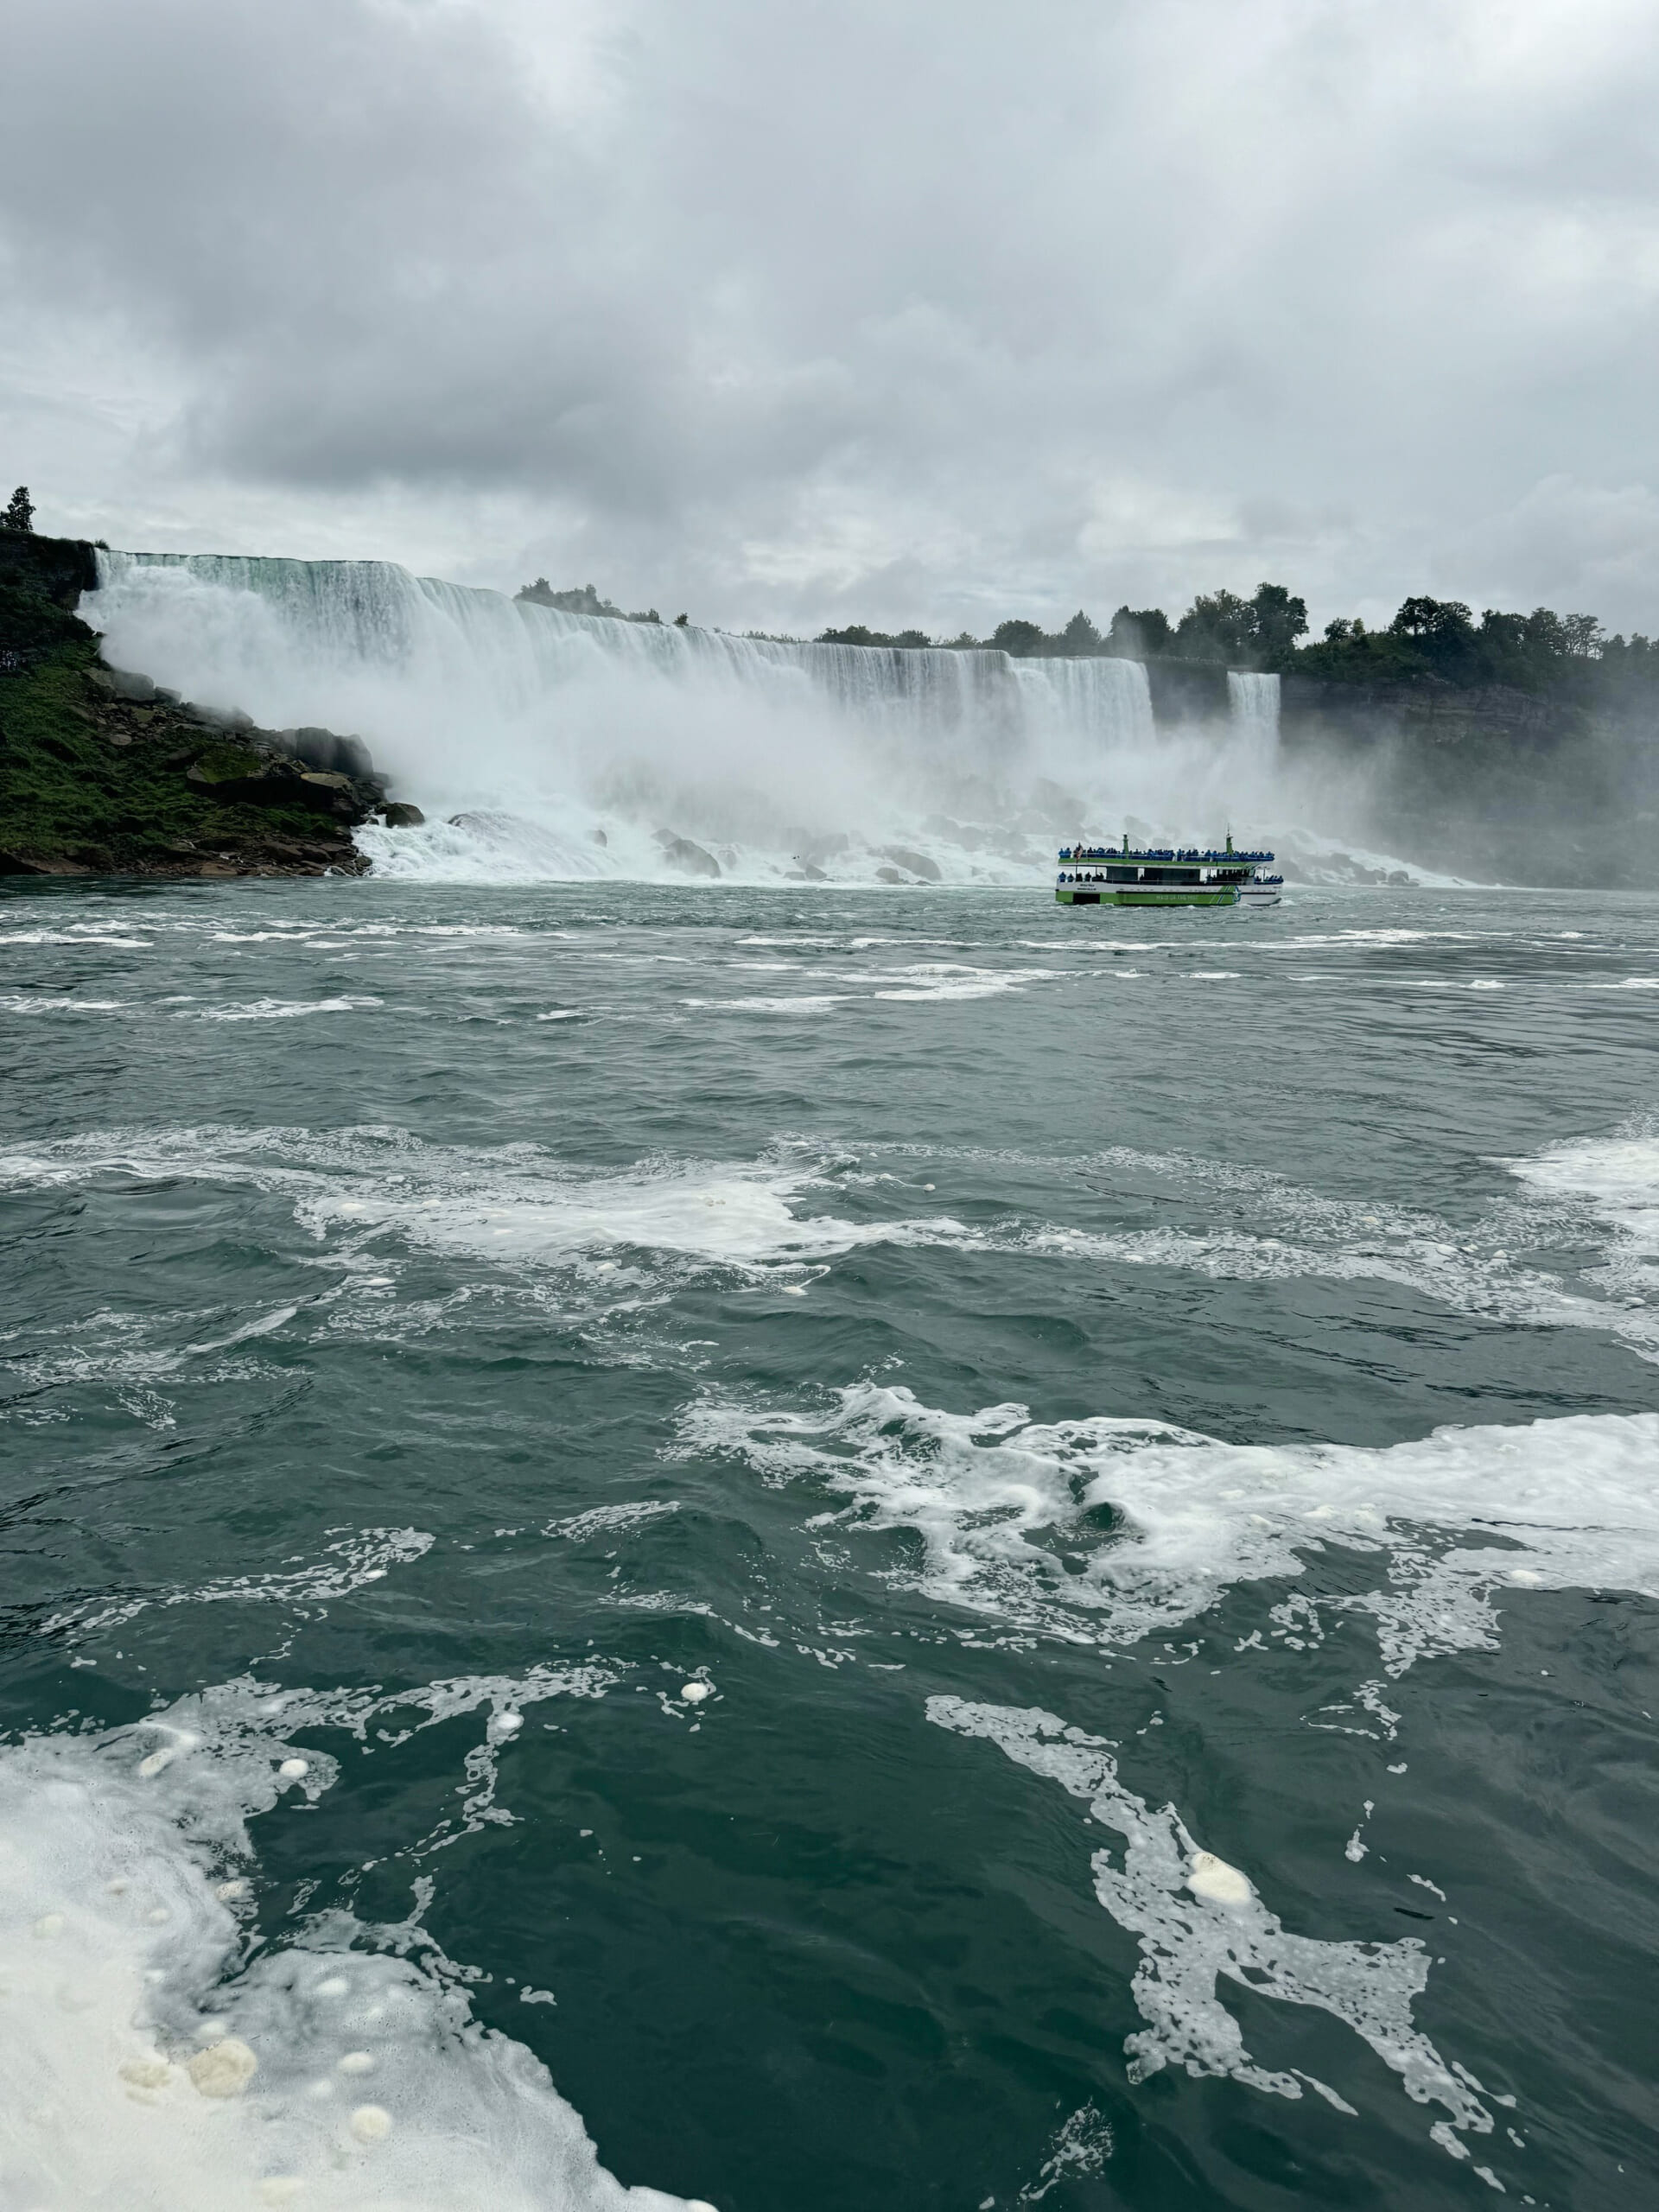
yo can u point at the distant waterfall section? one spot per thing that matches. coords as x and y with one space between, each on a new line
1254 703
542 744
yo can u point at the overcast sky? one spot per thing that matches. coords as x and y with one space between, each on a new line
789 311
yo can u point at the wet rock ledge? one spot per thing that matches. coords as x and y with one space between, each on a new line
103 772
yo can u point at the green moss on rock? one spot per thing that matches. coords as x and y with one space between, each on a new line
90 782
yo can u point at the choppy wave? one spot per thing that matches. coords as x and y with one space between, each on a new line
1111 1530
44 1002
159 2058
1617 1178
286 1009
518 1206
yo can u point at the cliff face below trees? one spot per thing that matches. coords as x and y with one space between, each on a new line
1480 780
1484 780
103 773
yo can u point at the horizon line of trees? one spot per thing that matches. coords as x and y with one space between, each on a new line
583 599
1428 640
1571 656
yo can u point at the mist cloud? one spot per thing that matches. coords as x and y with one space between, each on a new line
783 316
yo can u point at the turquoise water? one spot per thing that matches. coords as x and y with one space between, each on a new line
1072 1391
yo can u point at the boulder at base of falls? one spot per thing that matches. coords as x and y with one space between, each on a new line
233 776
328 751
888 875
918 863
399 814
681 852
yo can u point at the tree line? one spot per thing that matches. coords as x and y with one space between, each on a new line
1428 639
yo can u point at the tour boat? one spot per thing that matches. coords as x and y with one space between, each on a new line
1103 875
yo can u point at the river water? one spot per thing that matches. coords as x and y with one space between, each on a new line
819 1549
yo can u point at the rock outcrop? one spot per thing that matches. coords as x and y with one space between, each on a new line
104 772
914 864
681 852
1484 780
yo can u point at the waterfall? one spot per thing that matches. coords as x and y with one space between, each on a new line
580 745
1254 702
1110 699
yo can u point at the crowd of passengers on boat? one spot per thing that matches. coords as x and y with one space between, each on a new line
1112 853
1255 880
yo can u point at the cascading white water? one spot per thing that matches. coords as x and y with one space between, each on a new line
1254 701
577 744
1110 697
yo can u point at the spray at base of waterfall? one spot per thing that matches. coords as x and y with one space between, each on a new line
545 745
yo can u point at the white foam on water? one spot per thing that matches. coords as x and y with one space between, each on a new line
736 1218
282 1009
1388 937
804 1004
611 1520
515 1203
38 1002
156 2059
1616 1177
1110 1531
1199 1920
927 979
1462 1281
519 1205
115 1351
350 1562
918 983
90 937
1078 2148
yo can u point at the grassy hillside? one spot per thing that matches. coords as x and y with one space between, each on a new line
94 782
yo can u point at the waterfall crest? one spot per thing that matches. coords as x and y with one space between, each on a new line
583 745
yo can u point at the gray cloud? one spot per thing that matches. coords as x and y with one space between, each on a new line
926 314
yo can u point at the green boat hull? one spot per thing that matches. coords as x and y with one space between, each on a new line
1108 895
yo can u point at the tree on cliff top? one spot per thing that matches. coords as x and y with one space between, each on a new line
1138 631
20 515
857 633
1259 632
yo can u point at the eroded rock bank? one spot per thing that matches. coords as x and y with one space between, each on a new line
105 772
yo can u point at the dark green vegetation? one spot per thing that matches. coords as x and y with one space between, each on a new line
102 773
1570 657
583 599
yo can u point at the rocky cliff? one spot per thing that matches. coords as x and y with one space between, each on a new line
1486 781
103 772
